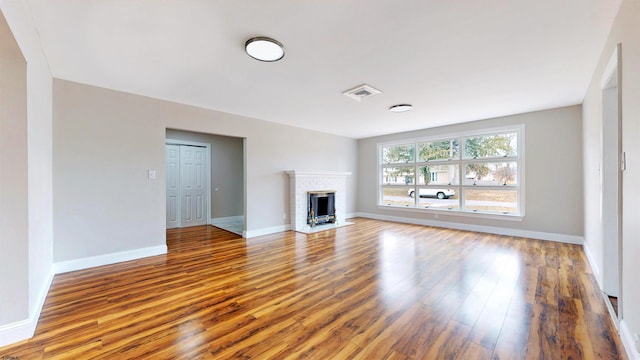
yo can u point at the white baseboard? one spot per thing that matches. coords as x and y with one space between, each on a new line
37 307
17 331
265 231
107 259
594 265
350 215
628 341
24 329
570 239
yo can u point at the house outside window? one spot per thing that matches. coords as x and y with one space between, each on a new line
467 173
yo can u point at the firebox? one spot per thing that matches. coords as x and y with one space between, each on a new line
321 208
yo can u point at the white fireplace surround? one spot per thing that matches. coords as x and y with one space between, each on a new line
300 182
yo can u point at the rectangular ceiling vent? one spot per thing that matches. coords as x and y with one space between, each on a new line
361 92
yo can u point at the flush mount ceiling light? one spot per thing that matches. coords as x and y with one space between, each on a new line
400 108
264 49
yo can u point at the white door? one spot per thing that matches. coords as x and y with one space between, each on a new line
172 155
192 185
186 186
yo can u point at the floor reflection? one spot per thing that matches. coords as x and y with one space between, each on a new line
397 268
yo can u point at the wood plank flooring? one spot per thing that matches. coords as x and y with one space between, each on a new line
373 290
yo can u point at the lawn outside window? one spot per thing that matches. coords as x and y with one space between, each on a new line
476 173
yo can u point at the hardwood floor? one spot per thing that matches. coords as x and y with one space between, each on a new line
373 290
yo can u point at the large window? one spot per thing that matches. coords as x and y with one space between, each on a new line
466 173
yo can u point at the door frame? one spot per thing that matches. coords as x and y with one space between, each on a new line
207 170
612 77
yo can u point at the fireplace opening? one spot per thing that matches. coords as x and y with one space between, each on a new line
321 208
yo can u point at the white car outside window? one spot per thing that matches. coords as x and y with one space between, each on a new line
431 192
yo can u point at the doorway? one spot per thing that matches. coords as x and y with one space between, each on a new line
611 183
225 177
187 167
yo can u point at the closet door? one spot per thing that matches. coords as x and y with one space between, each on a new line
172 156
192 185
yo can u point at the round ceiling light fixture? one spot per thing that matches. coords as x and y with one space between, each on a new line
400 108
264 49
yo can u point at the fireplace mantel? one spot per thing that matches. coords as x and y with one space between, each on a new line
303 181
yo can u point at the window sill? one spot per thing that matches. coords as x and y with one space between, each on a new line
446 212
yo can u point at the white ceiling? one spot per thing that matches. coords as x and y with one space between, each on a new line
455 61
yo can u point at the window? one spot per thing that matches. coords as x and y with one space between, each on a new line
467 173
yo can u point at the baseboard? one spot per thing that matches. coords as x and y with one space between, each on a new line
594 266
24 329
17 331
350 215
107 259
265 231
37 307
628 342
570 239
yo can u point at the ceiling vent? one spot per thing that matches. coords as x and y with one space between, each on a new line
361 92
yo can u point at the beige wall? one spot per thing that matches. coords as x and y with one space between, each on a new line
552 143
227 168
625 30
14 221
105 141
26 235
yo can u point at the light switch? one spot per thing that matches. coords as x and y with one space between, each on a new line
152 174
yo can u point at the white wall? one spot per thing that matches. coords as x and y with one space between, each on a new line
625 30
30 260
553 174
105 141
227 167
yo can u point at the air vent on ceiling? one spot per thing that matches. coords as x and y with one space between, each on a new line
361 92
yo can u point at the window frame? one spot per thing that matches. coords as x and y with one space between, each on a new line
461 163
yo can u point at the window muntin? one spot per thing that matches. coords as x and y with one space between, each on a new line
481 173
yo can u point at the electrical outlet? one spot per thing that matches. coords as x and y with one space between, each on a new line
284 216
